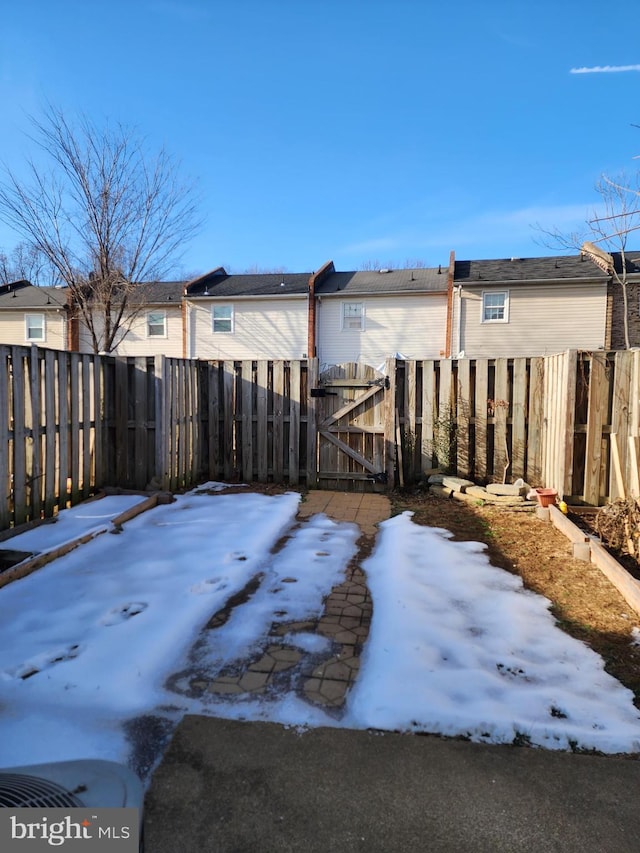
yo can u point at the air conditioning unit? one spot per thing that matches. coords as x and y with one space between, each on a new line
88 783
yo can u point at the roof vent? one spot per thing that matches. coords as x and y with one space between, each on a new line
516 259
384 270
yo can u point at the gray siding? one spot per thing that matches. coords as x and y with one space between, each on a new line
543 319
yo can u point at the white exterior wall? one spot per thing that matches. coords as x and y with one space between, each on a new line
262 328
13 328
543 319
137 342
414 325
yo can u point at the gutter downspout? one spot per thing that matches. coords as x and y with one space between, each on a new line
186 338
450 278
315 279
459 331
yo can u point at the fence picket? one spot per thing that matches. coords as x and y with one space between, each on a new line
518 418
598 393
294 422
278 421
463 397
429 410
482 395
501 406
68 420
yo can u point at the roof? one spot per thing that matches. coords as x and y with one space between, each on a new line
632 261
158 292
384 281
21 295
219 283
558 268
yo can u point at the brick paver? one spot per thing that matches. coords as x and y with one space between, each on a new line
345 620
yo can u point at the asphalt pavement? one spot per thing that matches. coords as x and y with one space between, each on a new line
254 787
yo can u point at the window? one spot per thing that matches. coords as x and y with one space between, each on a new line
495 307
157 324
222 318
34 324
352 317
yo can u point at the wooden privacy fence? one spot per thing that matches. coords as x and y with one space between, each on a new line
73 423
569 421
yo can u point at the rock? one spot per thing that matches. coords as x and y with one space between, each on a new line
507 489
456 483
478 492
441 492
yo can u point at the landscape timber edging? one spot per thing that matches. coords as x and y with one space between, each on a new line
627 586
32 564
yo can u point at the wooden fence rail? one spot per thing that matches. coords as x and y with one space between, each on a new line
73 423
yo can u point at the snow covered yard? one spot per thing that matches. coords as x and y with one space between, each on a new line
456 646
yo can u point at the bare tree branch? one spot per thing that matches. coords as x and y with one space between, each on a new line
106 215
609 229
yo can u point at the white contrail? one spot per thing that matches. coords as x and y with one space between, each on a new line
604 69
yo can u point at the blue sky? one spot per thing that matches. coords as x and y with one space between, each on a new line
356 130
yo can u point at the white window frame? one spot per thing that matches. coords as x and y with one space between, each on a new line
29 326
504 306
157 323
230 319
348 324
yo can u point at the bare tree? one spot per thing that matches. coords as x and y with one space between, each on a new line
24 263
256 269
103 213
606 232
376 266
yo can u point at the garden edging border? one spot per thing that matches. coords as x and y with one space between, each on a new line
626 585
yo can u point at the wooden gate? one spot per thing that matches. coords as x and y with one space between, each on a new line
350 424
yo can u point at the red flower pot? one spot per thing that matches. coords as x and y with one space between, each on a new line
546 497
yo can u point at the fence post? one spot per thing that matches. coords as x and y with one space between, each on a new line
312 426
567 426
161 436
596 418
390 423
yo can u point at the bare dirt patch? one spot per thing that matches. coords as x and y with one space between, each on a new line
584 603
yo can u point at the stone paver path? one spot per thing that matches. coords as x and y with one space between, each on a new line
322 680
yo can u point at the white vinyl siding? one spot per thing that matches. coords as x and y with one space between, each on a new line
35 331
13 329
543 319
137 341
262 328
414 325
